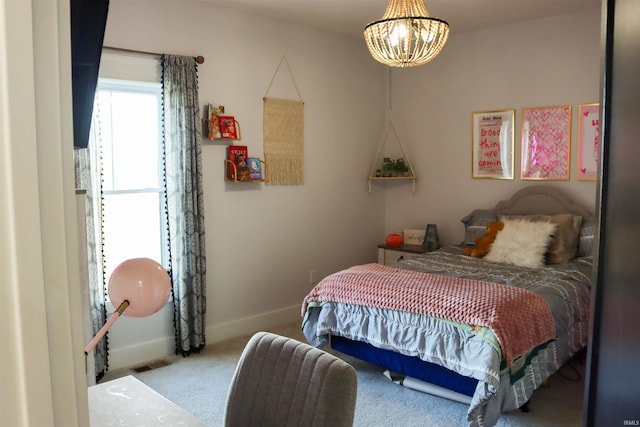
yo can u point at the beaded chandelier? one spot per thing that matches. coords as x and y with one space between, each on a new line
406 35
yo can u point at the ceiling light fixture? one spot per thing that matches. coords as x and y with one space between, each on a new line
406 35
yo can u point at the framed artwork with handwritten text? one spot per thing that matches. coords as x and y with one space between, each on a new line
588 141
492 144
546 142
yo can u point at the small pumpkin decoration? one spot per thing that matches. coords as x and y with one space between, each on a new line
394 240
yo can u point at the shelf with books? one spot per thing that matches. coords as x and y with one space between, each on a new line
257 171
218 126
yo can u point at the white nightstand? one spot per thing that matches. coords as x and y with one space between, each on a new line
390 256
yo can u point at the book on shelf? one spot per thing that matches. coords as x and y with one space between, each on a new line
218 109
255 168
228 127
237 167
213 121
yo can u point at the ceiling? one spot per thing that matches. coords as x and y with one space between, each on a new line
349 17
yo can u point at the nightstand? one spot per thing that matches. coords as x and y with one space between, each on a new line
390 256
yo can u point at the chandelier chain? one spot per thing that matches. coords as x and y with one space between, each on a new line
405 8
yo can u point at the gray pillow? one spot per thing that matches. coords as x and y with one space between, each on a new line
586 239
475 224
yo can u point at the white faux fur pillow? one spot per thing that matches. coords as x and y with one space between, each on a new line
522 243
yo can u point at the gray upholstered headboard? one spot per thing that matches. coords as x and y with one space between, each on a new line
540 199
533 200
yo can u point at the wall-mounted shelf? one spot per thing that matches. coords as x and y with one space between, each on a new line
410 175
229 164
224 139
217 126
411 178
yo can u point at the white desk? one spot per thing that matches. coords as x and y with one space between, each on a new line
127 401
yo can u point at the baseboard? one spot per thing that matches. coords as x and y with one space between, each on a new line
127 357
248 325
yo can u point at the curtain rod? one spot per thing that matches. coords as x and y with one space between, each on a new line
199 59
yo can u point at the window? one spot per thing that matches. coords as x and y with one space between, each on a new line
134 214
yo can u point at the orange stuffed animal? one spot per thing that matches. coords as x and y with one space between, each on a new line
483 244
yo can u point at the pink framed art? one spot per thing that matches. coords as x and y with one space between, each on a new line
588 141
546 143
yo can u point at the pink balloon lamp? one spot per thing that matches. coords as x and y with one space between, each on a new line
140 286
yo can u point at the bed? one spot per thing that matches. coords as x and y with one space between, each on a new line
484 331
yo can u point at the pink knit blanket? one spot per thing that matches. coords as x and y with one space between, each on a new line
520 319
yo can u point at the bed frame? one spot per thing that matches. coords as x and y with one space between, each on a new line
434 379
541 199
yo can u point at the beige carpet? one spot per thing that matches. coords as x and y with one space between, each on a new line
199 385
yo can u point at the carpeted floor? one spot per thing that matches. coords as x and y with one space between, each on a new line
199 385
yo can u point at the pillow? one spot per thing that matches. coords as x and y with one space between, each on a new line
586 238
475 224
522 243
564 246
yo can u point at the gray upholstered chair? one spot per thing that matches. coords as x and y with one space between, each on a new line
282 382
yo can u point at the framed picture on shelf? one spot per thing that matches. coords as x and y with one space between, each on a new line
492 144
413 237
588 141
546 142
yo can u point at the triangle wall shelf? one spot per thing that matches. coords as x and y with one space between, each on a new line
409 176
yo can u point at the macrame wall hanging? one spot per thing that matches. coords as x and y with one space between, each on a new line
283 129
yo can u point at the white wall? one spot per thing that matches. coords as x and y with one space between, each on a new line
547 62
262 240
41 361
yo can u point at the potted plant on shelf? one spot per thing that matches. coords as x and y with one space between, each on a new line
388 167
400 167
